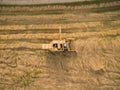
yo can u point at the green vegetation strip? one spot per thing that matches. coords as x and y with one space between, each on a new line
106 9
46 12
41 12
65 4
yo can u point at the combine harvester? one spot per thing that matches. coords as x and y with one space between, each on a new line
61 45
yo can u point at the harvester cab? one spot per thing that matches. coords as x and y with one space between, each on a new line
60 44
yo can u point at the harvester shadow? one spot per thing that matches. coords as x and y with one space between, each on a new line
58 68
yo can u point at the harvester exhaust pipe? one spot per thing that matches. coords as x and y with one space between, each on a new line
60 33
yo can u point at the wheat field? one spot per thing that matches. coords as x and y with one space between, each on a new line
95 25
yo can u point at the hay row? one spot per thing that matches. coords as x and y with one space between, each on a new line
49 26
55 26
53 18
21 45
56 36
47 17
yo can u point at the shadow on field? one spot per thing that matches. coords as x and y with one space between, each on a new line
58 68
57 61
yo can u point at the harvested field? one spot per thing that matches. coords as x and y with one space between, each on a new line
96 63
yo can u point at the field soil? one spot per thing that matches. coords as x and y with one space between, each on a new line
94 66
